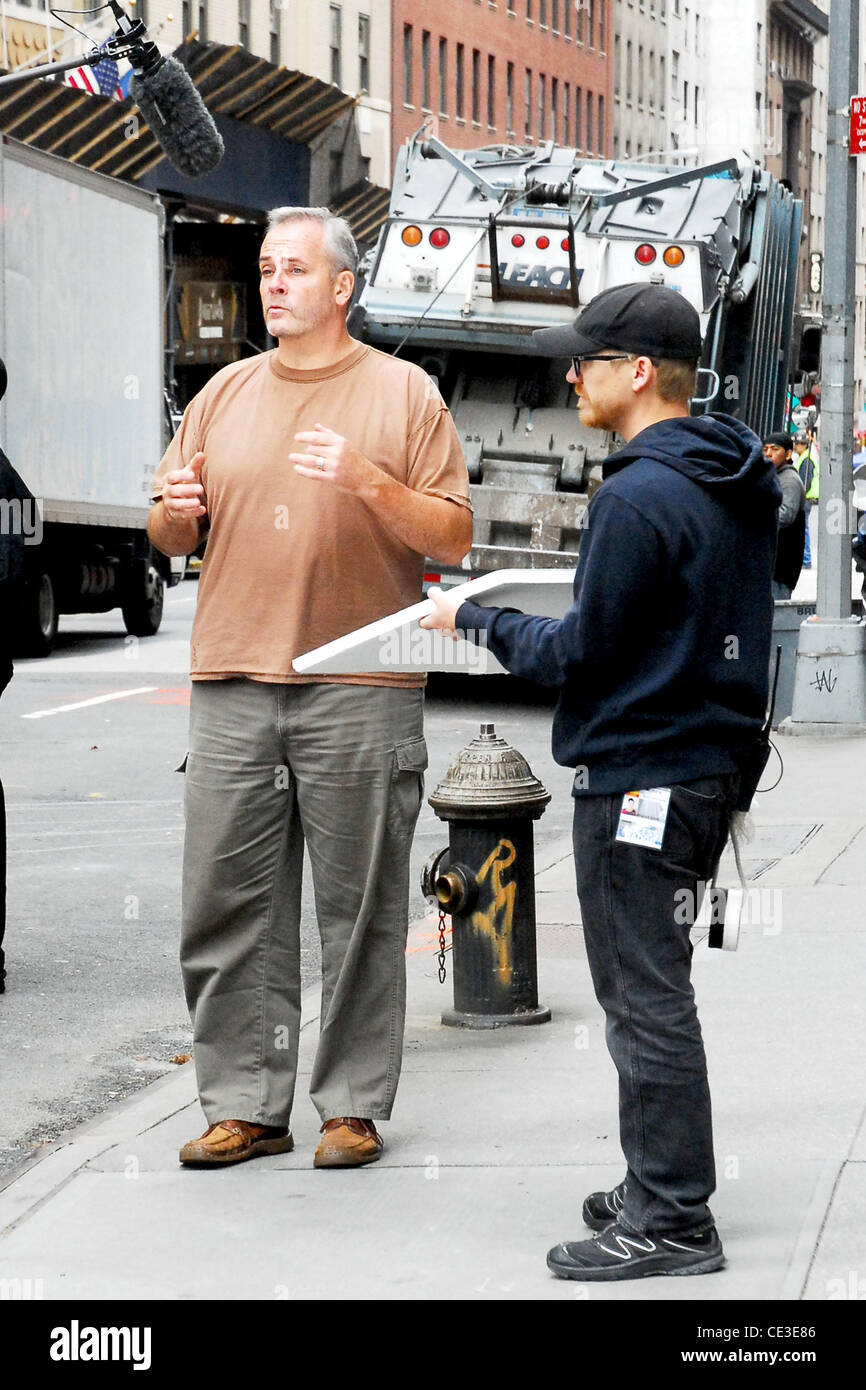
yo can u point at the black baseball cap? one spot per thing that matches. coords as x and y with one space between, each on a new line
781 439
648 319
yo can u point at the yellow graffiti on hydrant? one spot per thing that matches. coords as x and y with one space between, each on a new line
501 906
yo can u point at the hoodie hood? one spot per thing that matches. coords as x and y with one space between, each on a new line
716 451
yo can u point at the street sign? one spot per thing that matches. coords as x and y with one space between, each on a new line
857 129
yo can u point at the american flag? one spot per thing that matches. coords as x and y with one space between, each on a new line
102 78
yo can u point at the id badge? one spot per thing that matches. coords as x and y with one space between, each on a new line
643 816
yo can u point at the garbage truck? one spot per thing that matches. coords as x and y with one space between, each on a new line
81 334
483 246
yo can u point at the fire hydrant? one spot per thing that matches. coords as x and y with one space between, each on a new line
485 879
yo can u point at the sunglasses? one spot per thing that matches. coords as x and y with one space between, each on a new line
597 357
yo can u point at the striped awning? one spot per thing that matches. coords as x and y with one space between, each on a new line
111 137
365 207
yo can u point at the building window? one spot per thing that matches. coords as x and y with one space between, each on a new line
600 25
566 113
336 44
509 97
675 71
616 61
697 34
511 6
759 47
685 101
588 138
273 30
640 92
578 117
491 90
554 106
580 14
566 19
542 13
443 76
476 86
529 10
407 64
600 124
542 103
697 98
662 86
243 22
335 174
425 69
202 20
590 25
459 83
364 52
629 77
554 15
527 104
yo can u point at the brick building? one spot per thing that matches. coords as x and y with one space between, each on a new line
499 71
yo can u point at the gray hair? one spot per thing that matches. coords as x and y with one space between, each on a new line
336 234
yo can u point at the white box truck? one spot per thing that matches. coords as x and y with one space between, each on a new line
81 333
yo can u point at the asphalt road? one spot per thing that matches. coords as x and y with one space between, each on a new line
94 1008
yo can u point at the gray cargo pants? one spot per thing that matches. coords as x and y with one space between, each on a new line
271 767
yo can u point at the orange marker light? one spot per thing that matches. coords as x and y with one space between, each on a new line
411 235
674 255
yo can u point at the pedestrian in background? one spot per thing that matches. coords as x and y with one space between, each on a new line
323 472
662 666
778 448
806 460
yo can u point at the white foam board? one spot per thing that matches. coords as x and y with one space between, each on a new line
397 643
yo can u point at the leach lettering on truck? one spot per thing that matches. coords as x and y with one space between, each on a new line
555 277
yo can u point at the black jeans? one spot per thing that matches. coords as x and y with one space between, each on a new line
637 906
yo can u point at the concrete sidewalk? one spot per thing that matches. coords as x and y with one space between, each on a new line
497 1136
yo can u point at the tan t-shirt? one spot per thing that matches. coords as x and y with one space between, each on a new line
292 562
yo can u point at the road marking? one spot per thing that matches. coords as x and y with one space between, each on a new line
96 700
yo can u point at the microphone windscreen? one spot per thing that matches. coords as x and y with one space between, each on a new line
177 116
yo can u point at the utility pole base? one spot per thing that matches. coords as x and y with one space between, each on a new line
830 678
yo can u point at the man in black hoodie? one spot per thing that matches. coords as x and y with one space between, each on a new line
662 664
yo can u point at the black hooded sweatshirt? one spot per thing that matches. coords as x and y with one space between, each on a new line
663 658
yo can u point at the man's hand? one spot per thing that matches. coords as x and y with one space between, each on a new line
331 459
183 494
444 614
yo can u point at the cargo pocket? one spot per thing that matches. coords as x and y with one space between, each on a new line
407 784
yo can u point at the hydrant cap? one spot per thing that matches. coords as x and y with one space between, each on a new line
489 778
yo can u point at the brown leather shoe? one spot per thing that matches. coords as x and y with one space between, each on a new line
232 1141
347 1143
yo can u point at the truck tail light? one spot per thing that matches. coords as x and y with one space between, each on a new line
439 237
674 255
645 254
564 243
518 239
542 242
411 235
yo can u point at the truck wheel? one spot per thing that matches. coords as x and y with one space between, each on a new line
142 610
36 624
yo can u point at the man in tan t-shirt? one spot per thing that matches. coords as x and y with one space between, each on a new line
322 473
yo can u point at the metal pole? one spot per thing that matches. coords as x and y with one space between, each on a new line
837 351
830 677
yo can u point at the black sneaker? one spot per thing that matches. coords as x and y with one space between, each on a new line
602 1208
621 1254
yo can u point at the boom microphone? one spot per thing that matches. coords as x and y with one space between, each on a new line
177 116
169 102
